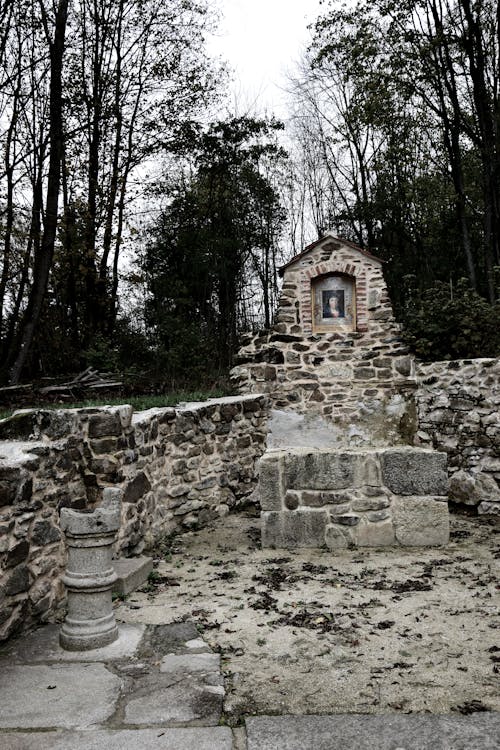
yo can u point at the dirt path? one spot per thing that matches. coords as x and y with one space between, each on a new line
365 631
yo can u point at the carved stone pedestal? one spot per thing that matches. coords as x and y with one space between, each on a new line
90 622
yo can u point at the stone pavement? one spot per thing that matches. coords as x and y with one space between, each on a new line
160 686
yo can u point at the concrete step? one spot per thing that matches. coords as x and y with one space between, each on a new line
132 573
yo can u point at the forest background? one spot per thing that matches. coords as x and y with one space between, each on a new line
141 231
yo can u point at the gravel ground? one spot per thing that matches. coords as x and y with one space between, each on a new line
315 632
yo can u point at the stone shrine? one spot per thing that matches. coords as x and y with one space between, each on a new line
340 468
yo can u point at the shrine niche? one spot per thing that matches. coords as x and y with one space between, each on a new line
333 303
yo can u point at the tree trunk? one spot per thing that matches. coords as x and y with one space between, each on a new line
43 259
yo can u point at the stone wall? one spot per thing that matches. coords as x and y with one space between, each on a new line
178 468
458 406
359 380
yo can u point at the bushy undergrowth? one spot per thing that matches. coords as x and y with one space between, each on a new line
445 323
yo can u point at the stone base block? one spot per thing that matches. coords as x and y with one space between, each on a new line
337 537
132 573
421 521
372 497
294 529
379 534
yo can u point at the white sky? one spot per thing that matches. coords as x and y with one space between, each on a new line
261 40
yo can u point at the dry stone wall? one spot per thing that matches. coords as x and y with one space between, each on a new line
178 468
360 380
458 406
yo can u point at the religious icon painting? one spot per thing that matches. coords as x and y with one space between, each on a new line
334 303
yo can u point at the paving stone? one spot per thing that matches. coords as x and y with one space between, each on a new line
206 738
190 662
197 645
174 698
57 695
159 640
43 646
356 732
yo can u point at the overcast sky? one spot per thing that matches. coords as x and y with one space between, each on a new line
261 40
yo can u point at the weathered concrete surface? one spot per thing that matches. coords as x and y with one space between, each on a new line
214 738
373 631
57 695
288 429
355 732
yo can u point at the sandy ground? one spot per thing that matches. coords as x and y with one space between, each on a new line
362 631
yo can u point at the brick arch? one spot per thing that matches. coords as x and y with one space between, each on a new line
328 268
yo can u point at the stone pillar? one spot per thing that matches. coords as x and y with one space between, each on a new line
90 622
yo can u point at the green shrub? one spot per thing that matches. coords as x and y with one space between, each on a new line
451 323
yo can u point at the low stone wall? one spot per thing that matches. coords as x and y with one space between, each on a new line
178 468
458 405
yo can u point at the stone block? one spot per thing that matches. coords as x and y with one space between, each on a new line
420 521
410 471
131 572
488 508
337 537
339 510
474 488
292 500
375 502
18 581
105 424
136 488
44 533
294 529
17 554
104 445
375 534
348 519
320 470
271 481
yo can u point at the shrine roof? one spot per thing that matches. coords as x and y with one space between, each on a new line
325 238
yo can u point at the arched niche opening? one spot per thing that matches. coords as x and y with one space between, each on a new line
333 303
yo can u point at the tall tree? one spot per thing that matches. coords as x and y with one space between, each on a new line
220 231
130 72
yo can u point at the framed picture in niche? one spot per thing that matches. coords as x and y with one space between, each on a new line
334 303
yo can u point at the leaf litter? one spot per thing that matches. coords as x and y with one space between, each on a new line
302 632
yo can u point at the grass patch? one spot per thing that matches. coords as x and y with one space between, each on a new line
140 403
